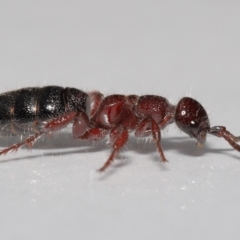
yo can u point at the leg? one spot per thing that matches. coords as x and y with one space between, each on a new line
94 134
29 142
80 125
95 100
157 138
144 128
50 127
117 145
167 120
149 126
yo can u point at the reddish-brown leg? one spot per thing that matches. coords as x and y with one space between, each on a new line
50 127
156 133
60 122
80 125
94 134
29 142
114 135
117 145
95 100
167 120
144 128
149 126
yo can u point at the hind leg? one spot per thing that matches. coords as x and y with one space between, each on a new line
49 127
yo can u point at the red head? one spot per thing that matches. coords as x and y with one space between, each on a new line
192 118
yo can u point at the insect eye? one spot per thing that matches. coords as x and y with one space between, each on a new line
193 124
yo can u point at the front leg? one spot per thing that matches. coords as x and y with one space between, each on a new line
149 126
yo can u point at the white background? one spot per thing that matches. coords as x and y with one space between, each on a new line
169 48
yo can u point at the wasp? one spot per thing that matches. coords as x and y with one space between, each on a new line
38 111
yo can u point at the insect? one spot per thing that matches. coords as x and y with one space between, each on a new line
38 111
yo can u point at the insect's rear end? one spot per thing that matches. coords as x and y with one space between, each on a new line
28 109
37 111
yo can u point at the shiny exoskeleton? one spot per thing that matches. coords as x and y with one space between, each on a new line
39 110
44 110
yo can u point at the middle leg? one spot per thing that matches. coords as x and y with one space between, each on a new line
120 137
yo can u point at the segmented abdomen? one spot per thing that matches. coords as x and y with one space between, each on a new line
26 110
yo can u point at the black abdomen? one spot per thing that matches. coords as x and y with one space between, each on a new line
39 104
